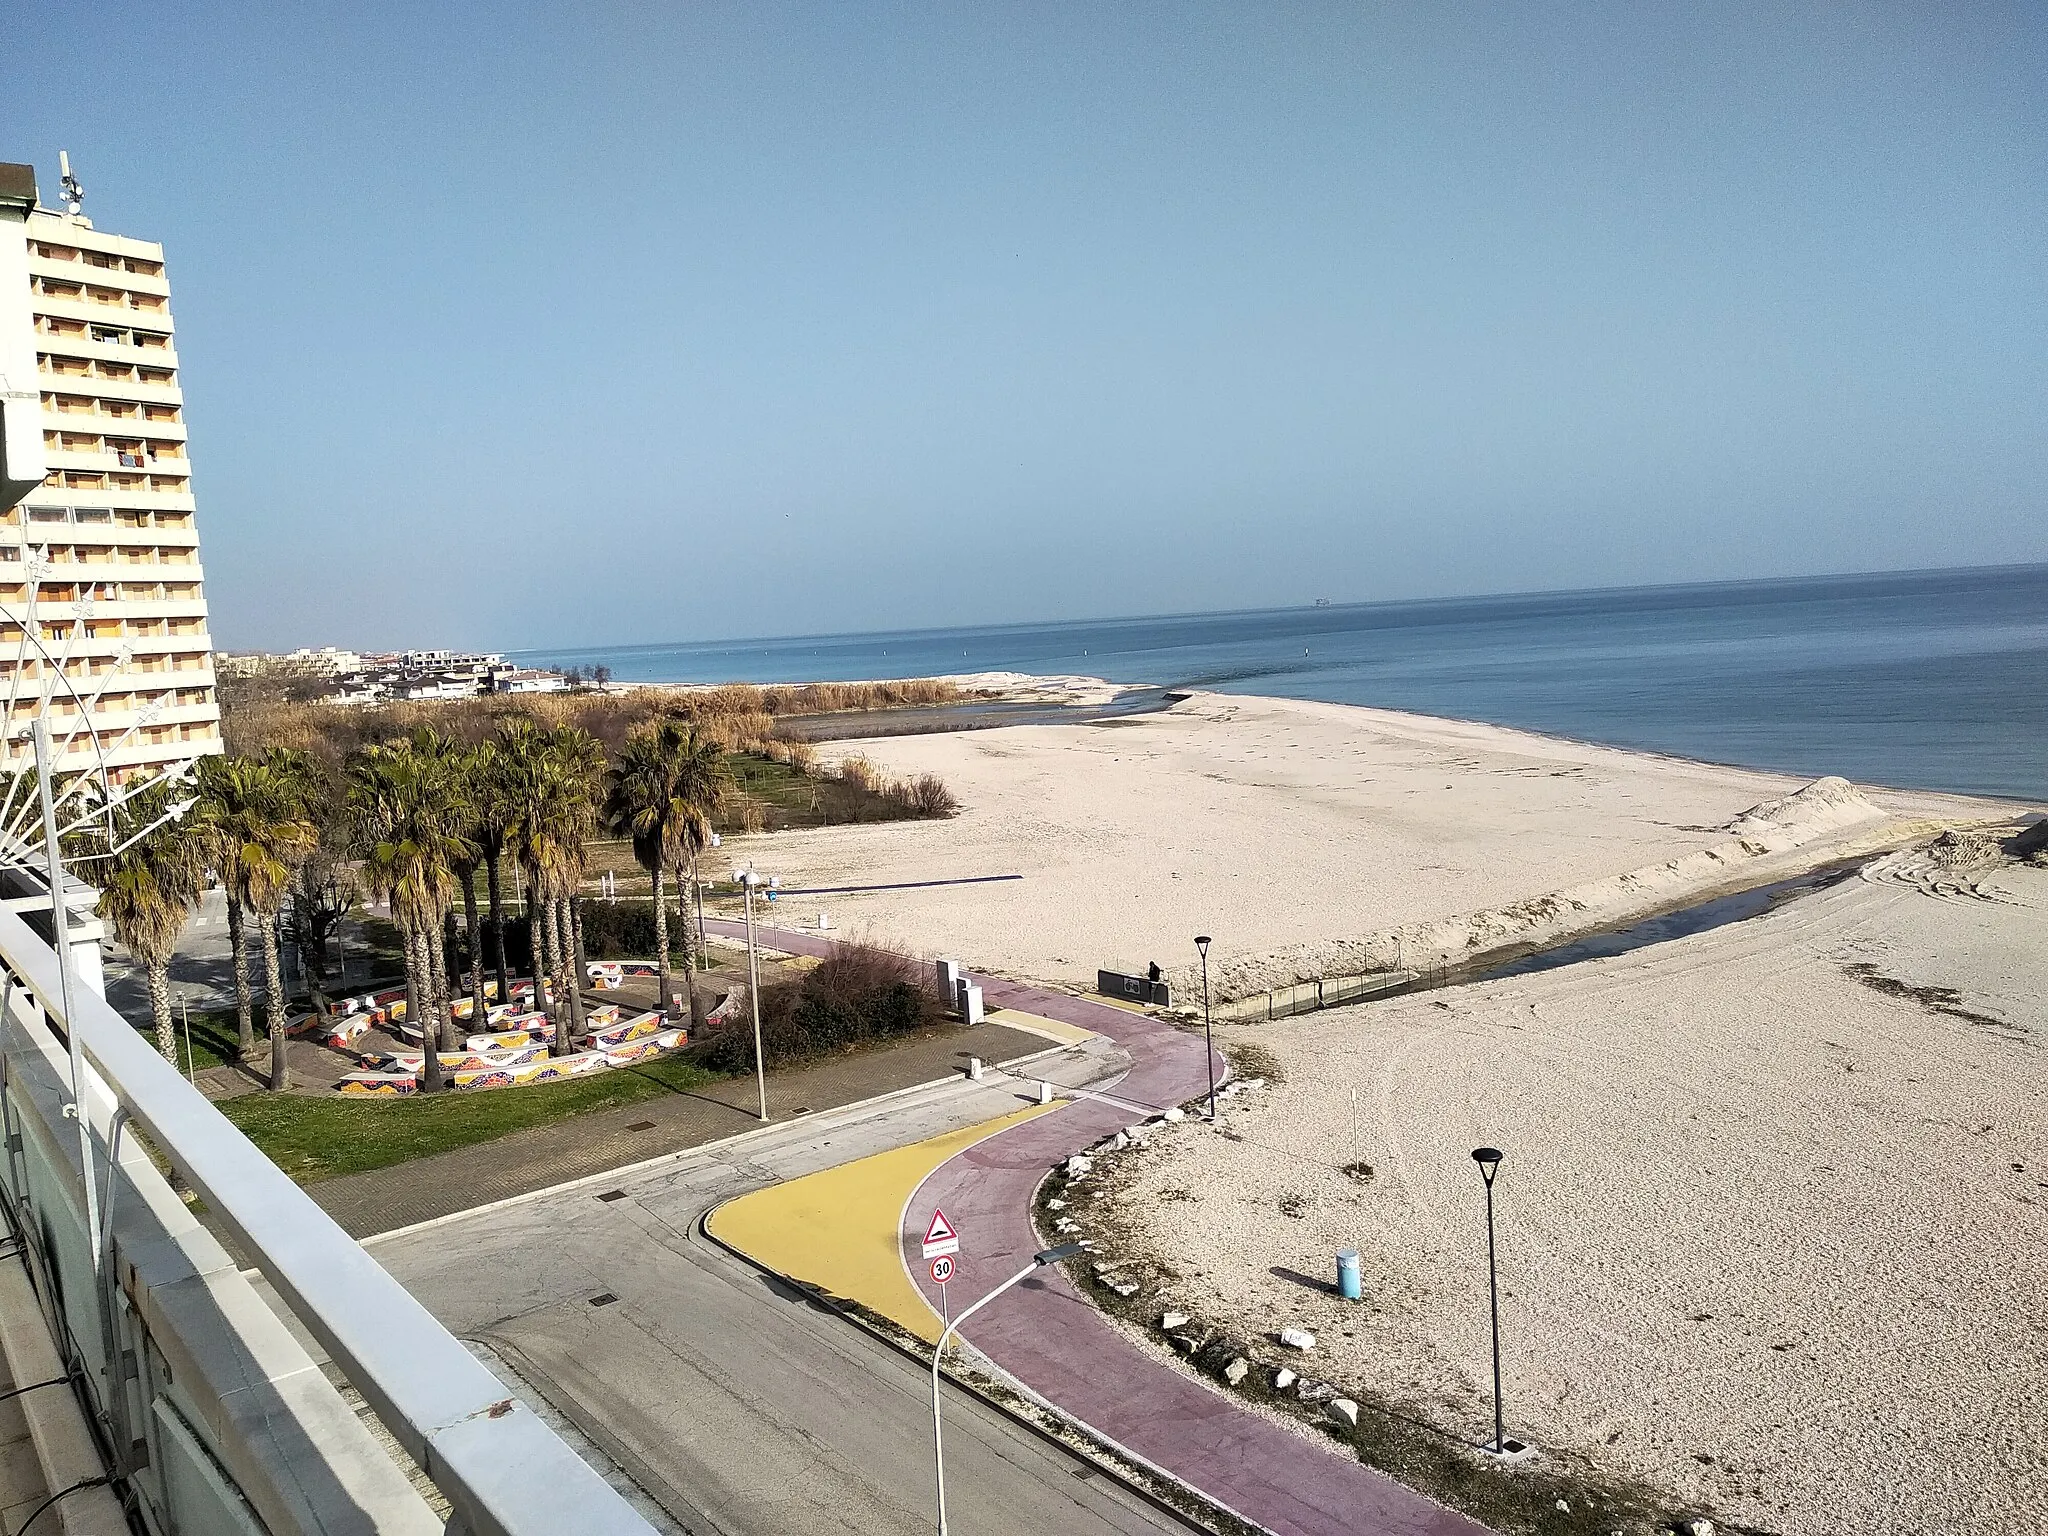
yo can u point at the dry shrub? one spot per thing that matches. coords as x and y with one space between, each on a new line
752 818
861 773
254 720
858 995
930 797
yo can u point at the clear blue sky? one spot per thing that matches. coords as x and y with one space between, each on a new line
572 324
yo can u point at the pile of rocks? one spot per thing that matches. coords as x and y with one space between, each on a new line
1229 1359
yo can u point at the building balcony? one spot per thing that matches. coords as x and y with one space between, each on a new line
253 1437
81 271
98 312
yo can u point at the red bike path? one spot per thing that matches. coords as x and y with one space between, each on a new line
1046 1335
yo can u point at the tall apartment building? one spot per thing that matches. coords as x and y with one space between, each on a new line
102 602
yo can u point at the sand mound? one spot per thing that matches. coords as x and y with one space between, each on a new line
1820 812
1822 806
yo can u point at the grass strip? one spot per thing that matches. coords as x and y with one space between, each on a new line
323 1138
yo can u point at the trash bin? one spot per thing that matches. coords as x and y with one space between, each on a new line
1347 1274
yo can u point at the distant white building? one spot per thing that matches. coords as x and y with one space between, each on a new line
450 661
449 687
527 680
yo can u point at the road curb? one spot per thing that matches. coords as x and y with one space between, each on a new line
1102 1463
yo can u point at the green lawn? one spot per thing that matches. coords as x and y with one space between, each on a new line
322 1138
213 1036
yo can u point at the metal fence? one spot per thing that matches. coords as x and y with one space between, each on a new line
1309 996
212 1416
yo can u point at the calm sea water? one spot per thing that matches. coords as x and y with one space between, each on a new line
1931 679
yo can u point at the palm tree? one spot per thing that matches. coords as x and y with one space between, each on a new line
471 787
552 778
148 888
258 812
663 790
578 771
524 782
404 808
228 801
492 806
289 787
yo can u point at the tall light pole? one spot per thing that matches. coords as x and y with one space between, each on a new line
1039 1260
747 880
1488 1159
1208 1030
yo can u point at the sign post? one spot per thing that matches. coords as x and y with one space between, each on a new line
941 1242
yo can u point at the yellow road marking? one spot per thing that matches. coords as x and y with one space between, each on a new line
1033 1024
1118 1002
838 1229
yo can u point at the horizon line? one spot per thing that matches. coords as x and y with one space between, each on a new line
1312 606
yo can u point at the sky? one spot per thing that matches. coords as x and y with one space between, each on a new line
551 325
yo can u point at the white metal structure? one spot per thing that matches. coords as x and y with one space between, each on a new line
213 1418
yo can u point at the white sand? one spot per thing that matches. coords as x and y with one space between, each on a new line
1300 835
1753 1209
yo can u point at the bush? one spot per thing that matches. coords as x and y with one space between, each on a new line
858 996
930 797
621 930
861 774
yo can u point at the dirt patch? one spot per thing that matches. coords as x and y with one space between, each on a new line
1942 1000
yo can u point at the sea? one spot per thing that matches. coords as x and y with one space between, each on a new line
1926 679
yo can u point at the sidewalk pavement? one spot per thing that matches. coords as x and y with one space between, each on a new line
1046 1335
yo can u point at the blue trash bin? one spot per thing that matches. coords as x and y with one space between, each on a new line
1347 1274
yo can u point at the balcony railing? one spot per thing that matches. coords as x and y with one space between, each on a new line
211 1417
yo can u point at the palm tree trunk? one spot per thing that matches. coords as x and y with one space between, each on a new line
558 1045
437 985
690 962
581 975
273 980
497 928
540 941
478 1008
418 985
660 936
160 1009
245 1003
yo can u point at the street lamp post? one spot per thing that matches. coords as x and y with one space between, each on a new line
1488 1159
1208 1030
1039 1260
747 880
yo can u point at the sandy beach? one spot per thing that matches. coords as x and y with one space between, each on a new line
1776 1194
1305 837
1772 1215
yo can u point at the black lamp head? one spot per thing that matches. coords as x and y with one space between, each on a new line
1202 943
1488 1159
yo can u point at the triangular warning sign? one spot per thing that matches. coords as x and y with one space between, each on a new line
940 1229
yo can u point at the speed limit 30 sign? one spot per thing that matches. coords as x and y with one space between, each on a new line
942 1269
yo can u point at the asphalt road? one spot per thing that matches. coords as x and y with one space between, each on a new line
739 1405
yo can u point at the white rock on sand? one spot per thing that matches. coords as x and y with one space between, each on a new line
1771 1221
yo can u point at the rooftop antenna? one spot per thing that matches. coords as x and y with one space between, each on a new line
74 194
